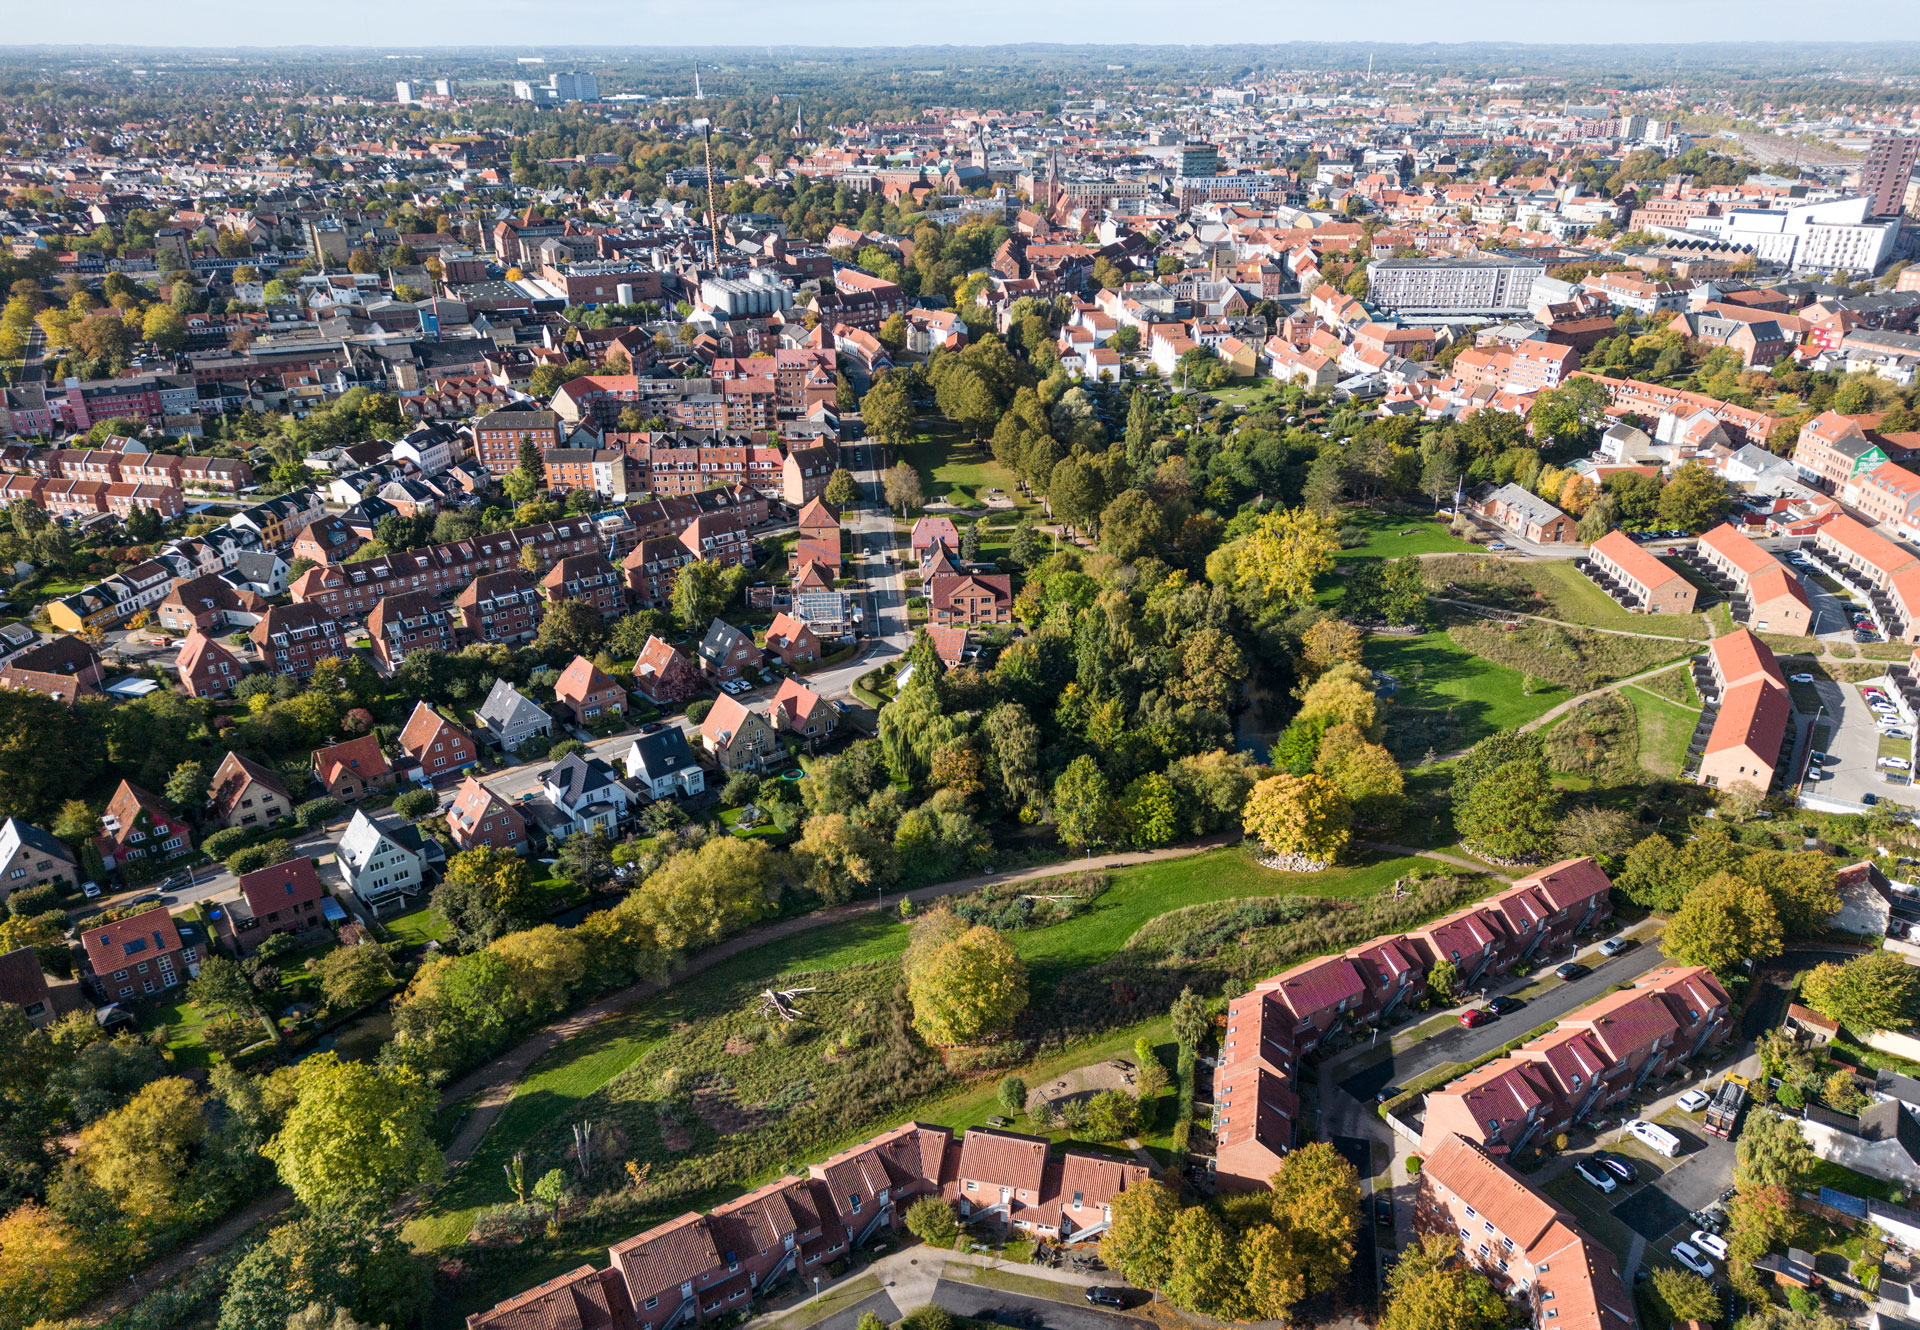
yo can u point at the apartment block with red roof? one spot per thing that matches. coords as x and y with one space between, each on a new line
402 624
1528 1247
500 607
1774 599
1635 578
588 578
1753 728
1887 493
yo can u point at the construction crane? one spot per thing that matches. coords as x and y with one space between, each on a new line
705 126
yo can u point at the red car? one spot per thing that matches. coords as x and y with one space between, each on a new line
1475 1016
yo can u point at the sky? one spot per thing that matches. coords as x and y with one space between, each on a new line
427 23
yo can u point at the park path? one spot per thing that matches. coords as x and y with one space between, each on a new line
1453 860
1552 714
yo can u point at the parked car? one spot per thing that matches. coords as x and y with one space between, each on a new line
1689 1255
1499 545
1896 763
1387 1092
1475 1016
1571 970
1500 1006
1615 946
1596 1176
1869 798
1383 1212
1693 1101
1800 678
1711 1243
1102 1296
1620 1168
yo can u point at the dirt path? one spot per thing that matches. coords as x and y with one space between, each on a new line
1452 860
1554 713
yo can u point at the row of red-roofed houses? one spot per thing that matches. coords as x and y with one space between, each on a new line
701 1266
1271 1027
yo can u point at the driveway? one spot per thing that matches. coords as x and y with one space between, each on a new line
1692 1182
1363 1283
980 1303
1459 1044
1853 749
880 1304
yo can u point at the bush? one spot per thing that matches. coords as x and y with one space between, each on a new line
565 748
1413 1165
932 1220
416 804
29 901
316 812
698 708
740 789
224 842
255 857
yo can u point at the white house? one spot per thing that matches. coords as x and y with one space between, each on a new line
588 795
661 763
382 861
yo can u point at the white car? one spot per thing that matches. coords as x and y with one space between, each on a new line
1693 1101
1799 678
1711 1243
1689 1255
1596 1176
1896 763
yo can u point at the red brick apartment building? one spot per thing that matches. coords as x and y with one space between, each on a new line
138 957
497 437
500 607
414 621
589 579
292 639
699 1267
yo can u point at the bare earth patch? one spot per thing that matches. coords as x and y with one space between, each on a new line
1086 1082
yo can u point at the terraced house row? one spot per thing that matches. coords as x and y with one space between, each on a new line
701 1266
1271 1027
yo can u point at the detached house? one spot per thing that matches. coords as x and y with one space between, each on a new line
30 857
664 676
970 598
797 709
737 738
351 770
383 862
792 641
436 744
583 794
138 826
479 818
138 957
207 668
285 898
589 692
661 764
510 717
727 653
245 794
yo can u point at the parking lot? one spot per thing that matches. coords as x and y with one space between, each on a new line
1854 747
1659 1206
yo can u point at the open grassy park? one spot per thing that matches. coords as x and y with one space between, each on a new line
957 470
1448 698
698 1088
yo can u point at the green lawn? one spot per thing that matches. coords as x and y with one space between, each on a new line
1665 728
553 1089
1573 598
420 926
182 1022
1472 696
1391 536
764 828
957 470
1247 394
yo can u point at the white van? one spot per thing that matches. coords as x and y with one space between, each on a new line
1654 1137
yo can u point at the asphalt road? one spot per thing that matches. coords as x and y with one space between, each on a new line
1460 1044
210 880
847 1318
1363 1284
979 1302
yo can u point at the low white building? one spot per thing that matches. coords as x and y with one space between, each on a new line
382 861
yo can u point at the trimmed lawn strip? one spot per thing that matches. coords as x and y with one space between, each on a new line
840 1296
1666 727
1391 536
992 1276
419 927
1573 598
956 470
1475 696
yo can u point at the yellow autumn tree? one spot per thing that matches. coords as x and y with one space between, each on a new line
45 1268
1303 815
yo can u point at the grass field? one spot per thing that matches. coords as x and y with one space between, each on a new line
1665 728
956 470
1391 536
555 1088
1472 696
1572 597
1246 393
419 926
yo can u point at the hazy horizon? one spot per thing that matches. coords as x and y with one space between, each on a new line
365 25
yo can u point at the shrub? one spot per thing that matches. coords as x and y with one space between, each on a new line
29 901
932 1220
416 804
566 747
253 857
698 708
224 842
1413 1165
315 812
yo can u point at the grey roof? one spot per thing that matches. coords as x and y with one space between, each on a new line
663 752
508 708
33 838
1535 507
721 639
1903 1088
256 565
578 777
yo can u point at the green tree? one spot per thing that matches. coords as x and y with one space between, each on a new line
1443 981
1138 1243
1877 991
1277 562
1431 1288
901 484
1316 1202
367 1270
1771 1152
1149 811
842 491
968 988
356 1136
571 628
1205 1277
486 894
222 985
932 1220
887 411
1682 1295
1723 923
701 590
1013 1096
1694 499
351 977
1082 803
1511 813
